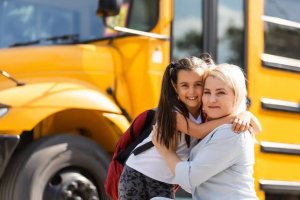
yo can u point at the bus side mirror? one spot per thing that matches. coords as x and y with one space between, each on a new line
109 7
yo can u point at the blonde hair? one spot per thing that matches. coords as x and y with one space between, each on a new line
233 77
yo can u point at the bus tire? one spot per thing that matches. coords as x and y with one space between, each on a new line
54 168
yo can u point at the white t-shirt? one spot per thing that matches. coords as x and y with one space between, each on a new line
153 165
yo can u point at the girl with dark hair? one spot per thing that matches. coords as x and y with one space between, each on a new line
146 175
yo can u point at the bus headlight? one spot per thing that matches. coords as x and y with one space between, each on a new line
3 110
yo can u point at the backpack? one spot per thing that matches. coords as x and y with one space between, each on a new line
135 134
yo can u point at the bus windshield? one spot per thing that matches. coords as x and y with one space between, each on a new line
47 22
52 22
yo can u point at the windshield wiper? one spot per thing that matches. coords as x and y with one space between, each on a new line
7 75
73 37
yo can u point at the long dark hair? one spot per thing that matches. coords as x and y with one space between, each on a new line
169 103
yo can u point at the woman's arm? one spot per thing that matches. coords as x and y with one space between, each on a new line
169 155
215 157
216 154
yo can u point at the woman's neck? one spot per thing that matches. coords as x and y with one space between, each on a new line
210 118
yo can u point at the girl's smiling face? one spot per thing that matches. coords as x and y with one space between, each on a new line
218 98
189 88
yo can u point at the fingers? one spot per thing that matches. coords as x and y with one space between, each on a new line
154 129
244 127
251 130
240 125
154 135
235 124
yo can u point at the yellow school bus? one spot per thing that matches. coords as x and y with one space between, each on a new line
71 81
69 87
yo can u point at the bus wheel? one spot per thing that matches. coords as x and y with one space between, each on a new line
62 167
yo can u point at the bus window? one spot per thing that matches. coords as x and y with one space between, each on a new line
282 28
144 14
140 15
187 34
230 35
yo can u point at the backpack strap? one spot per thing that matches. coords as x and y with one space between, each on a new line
143 148
145 133
131 132
147 126
137 138
148 121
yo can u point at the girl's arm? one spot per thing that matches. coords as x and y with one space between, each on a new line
199 130
257 128
240 123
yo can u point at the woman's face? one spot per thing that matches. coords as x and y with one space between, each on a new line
189 88
218 98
